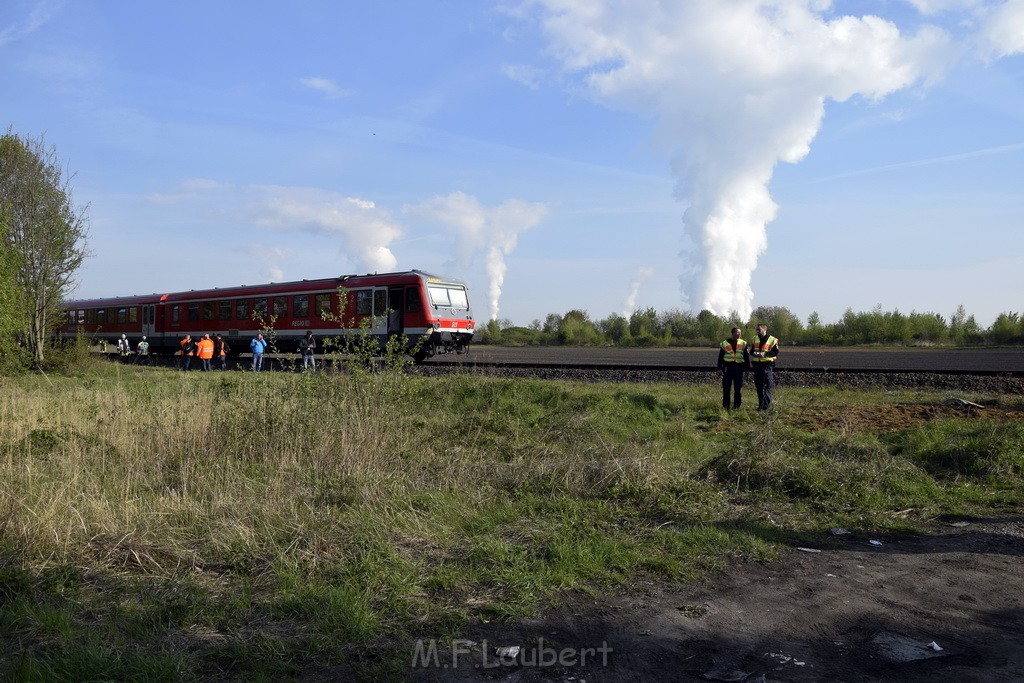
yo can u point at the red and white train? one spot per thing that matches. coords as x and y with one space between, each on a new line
432 312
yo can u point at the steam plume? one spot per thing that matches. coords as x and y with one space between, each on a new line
641 276
478 228
736 86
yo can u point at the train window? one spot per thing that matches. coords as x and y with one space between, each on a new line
260 309
453 297
224 310
209 310
323 305
281 306
71 317
81 316
90 316
364 301
458 297
300 305
242 309
174 315
122 316
133 314
412 300
193 311
380 302
101 316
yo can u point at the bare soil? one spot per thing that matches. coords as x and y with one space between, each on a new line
944 606
947 605
882 419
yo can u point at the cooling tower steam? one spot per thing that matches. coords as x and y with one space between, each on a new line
638 280
492 231
736 87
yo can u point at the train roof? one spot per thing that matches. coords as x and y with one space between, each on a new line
269 288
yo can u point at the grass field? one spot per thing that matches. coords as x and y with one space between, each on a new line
158 525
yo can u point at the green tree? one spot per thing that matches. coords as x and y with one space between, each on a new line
927 327
645 328
576 329
615 328
10 317
711 329
815 331
680 327
1006 329
963 328
781 322
492 332
45 231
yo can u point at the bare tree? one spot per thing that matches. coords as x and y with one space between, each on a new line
45 231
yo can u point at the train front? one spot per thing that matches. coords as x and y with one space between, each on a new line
450 319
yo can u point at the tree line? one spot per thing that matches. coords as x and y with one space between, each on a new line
649 328
42 244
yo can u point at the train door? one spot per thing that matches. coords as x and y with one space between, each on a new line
396 306
379 319
148 319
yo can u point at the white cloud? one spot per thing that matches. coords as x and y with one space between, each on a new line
190 189
366 230
523 74
271 258
1003 29
36 14
933 7
326 87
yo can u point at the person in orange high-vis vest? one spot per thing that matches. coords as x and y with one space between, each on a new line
763 352
204 349
733 359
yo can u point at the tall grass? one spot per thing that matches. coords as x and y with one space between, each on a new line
156 524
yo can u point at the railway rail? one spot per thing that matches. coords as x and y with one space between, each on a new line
955 370
987 362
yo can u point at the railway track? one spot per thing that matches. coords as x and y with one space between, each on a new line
971 362
955 370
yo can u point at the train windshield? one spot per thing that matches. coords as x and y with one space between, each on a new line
448 296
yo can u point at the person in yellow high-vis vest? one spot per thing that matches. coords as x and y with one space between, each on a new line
733 359
763 352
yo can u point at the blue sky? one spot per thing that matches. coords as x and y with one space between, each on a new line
556 154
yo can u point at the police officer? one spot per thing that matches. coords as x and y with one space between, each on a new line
733 359
764 351
142 351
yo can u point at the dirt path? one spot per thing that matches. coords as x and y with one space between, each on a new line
852 612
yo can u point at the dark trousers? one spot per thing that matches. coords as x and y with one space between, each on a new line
732 378
764 381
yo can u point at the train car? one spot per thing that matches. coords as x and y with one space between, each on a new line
432 312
